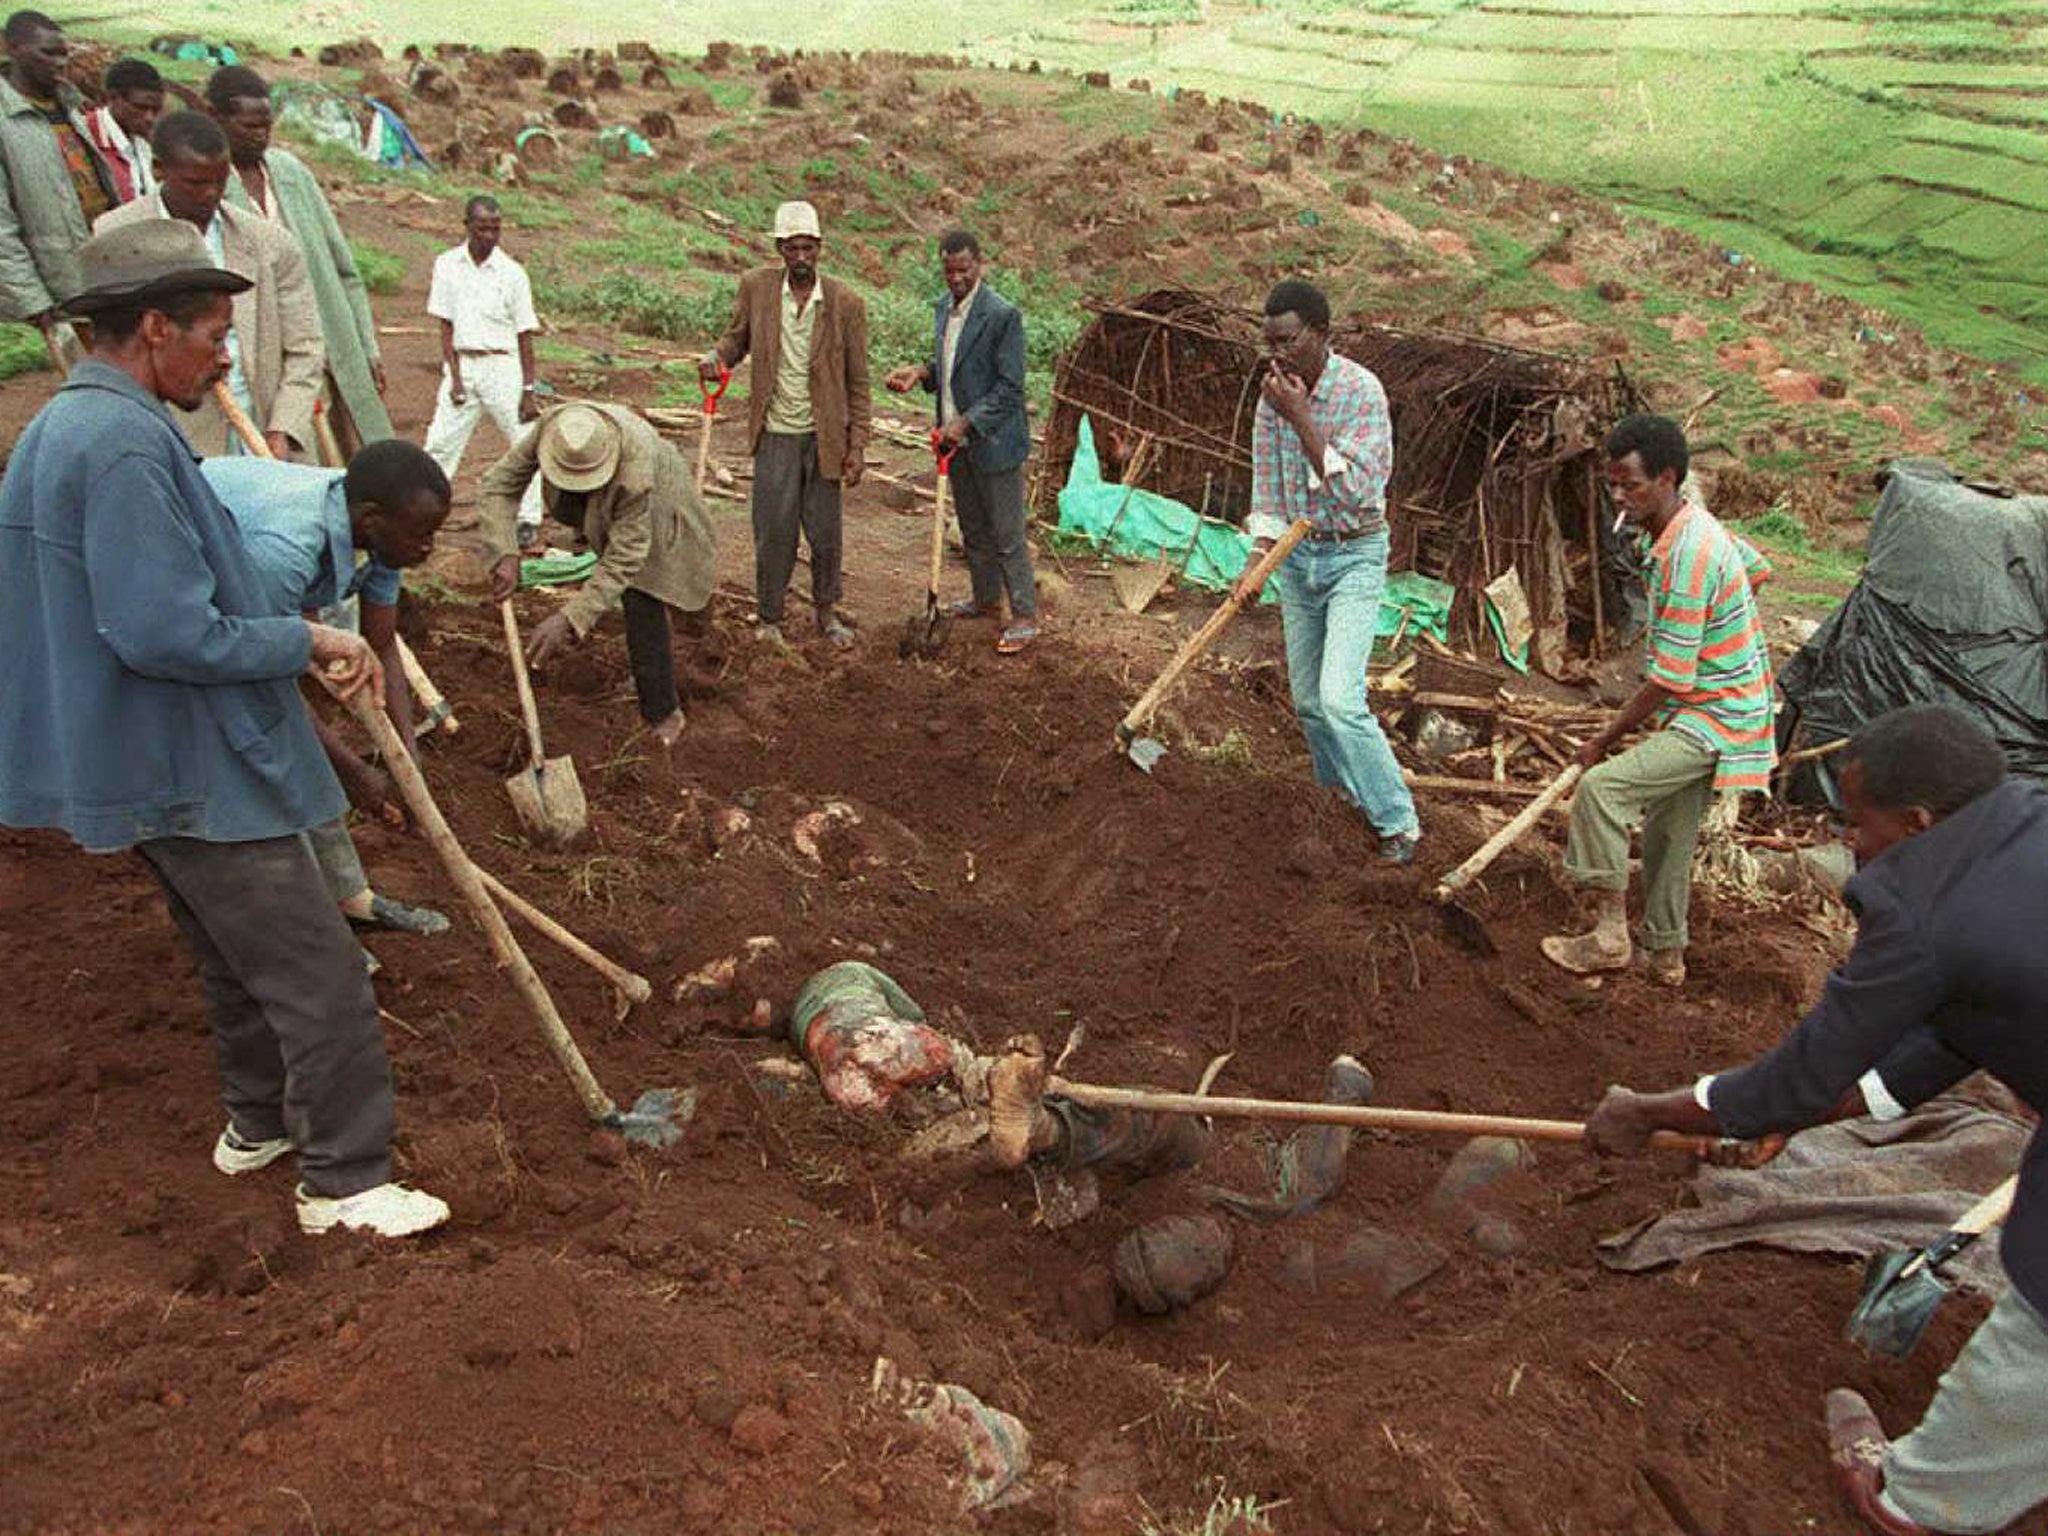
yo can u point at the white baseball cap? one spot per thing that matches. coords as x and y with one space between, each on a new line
793 219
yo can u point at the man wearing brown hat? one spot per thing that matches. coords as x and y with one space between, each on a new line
151 702
606 473
808 413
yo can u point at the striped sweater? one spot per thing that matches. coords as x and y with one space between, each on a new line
1707 648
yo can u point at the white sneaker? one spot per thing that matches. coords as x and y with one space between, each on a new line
389 1210
232 1155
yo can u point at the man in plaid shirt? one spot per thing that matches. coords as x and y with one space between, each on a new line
1707 692
1323 449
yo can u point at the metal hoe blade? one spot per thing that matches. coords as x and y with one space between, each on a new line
1896 1308
1146 752
657 1117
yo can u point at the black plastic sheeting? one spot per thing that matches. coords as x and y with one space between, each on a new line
1952 608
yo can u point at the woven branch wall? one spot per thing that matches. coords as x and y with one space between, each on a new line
1495 448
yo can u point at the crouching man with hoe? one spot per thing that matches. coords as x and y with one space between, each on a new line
608 474
1949 974
1708 693
305 528
150 701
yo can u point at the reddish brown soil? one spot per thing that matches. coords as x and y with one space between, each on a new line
576 1351
571 1353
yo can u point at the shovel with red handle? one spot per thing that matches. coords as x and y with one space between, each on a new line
711 399
925 634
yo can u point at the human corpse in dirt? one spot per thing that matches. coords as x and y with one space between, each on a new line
610 476
319 538
1707 694
1948 975
868 1041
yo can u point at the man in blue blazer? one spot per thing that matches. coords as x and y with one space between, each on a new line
977 373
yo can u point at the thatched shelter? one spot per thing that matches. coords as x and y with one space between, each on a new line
1496 462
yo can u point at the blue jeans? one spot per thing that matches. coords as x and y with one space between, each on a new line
1330 609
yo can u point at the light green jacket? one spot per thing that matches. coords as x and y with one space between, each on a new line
346 324
41 224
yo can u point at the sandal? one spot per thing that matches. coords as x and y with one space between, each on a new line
968 608
1016 638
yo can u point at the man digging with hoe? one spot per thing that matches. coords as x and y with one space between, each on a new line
152 703
1947 976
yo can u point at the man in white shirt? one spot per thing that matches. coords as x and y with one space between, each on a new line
484 302
119 128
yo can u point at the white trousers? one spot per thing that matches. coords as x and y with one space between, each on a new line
491 387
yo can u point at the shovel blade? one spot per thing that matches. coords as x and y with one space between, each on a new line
657 1117
549 802
1893 1313
1137 585
1467 929
1145 752
924 635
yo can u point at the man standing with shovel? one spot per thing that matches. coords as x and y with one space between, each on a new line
977 374
1323 450
1947 975
808 414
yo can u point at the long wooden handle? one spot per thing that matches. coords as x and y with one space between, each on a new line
469 882
439 711
1205 637
1988 1212
1366 1116
1508 835
631 985
939 531
703 452
323 435
526 705
238 418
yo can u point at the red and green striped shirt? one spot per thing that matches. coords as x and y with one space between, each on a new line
1707 648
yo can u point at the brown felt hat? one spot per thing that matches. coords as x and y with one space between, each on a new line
579 447
153 259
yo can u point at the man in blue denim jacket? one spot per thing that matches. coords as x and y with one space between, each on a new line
1323 449
151 703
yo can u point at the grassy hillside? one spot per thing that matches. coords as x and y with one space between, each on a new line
1895 151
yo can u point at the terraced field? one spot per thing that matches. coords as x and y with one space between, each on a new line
1892 150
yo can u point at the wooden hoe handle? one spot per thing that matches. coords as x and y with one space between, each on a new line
1508 835
469 881
1364 1116
1205 637
238 418
526 705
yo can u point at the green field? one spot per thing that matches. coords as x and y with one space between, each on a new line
1892 150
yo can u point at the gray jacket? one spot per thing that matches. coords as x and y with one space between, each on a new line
41 224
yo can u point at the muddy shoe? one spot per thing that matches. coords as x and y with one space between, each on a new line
1015 1085
389 1210
1856 1451
835 631
1172 1262
1666 967
1587 954
232 1155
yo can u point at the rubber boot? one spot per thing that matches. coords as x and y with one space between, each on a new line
1606 948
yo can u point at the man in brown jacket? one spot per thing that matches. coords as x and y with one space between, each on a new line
276 358
606 472
808 413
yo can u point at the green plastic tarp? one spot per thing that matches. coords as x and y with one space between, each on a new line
1140 524
556 570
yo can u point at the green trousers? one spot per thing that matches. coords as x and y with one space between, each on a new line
1666 782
